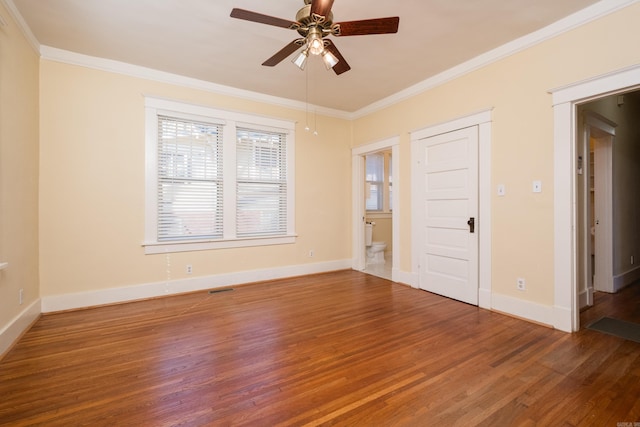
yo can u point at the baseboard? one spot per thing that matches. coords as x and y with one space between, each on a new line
484 298
403 277
11 332
53 303
625 279
585 297
526 310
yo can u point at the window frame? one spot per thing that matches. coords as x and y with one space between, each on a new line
230 121
385 185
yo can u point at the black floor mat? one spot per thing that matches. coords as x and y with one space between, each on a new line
619 328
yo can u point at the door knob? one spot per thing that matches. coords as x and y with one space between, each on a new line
472 224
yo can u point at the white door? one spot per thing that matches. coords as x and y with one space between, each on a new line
603 211
446 171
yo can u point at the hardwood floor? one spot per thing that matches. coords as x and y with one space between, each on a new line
341 348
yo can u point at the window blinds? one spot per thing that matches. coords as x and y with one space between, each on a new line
189 180
375 181
261 183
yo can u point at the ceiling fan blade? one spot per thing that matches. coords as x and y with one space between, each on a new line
342 66
321 7
367 26
283 53
248 15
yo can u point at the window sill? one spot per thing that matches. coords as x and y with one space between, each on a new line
379 215
205 245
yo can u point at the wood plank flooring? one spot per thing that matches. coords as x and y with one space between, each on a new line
341 348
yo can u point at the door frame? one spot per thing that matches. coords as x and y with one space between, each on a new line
358 247
482 120
566 310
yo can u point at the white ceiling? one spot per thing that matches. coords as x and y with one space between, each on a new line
197 38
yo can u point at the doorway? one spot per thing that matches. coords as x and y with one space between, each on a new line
595 216
386 218
379 213
567 267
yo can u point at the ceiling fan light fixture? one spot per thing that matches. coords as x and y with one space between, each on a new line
329 59
314 41
301 59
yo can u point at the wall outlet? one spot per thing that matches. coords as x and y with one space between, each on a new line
537 186
21 296
311 253
521 284
189 269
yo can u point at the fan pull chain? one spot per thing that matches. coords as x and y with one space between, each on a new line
315 115
315 121
306 95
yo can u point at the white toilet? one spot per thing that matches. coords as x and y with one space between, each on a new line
375 250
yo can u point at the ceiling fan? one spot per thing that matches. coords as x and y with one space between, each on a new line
314 22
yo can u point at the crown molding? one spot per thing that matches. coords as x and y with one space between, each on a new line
19 20
582 17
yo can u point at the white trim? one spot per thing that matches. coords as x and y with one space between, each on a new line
625 279
404 277
473 119
162 247
565 100
597 86
582 17
523 309
71 301
374 147
585 297
358 203
564 202
22 25
484 214
598 120
358 208
481 119
217 115
12 331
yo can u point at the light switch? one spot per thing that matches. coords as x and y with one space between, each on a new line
501 190
537 186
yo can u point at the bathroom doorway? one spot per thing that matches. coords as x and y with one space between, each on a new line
376 209
378 203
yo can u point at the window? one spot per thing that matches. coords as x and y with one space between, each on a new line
216 179
375 181
378 182
189 180
261 184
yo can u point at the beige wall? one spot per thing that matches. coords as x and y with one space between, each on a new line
522 140
92 186
18 171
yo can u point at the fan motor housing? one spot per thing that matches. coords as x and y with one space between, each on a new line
305 18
